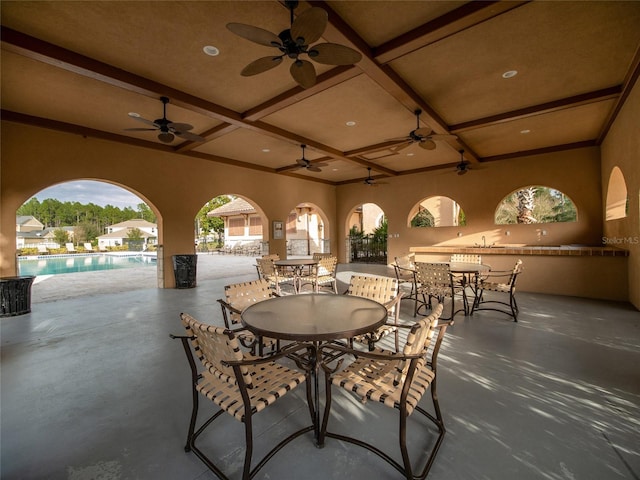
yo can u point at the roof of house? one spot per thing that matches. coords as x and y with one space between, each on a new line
22 219
236 206
134 223
123 234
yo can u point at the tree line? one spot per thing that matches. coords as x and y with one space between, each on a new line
89 221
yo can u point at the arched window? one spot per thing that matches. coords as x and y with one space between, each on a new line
535 204
438 211
617 205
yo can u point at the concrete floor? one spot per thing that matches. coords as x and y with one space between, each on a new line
93 388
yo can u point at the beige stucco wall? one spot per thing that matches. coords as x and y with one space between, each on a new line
174 186
574 172
621 148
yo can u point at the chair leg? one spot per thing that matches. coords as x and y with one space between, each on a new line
514 307
403 445
248 434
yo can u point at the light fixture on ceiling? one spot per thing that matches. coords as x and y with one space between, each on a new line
266 150
525 131
350 123
211 51
509 74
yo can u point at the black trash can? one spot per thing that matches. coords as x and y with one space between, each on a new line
184 269
15 295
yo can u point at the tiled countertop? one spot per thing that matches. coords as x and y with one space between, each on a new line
556 250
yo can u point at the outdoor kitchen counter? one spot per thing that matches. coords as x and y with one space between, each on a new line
575 270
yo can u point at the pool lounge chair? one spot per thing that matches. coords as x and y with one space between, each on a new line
88 247
43 250
70 248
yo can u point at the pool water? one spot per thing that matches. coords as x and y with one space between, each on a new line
81 263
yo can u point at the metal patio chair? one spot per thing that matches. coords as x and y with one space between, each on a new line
383 290
238 296
435 280
499 282
241 385
398 381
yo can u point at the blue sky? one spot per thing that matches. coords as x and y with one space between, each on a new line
89 191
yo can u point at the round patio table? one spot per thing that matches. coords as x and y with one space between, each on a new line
314 318
297 265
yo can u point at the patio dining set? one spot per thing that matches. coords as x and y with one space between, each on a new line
291 327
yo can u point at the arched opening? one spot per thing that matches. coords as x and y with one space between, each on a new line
307 231
367 240
436 211
535 204
83 226
617 204
232 224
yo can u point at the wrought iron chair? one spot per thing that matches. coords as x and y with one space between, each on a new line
499 282
238 296
405 271
324 274
383 290
397 380
272 256
240 385
434 280
268 271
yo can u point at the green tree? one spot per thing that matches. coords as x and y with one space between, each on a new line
209 224
60 236
146 213
423 218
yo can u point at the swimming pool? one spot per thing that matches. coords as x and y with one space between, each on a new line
81 263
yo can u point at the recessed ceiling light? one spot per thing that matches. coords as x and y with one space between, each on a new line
134 114
410 154
526 130
211 51
350 123
334 169
266 150
509 74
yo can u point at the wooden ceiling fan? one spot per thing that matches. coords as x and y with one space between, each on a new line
295 42
424 137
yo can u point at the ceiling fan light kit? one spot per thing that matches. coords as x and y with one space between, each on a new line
295 41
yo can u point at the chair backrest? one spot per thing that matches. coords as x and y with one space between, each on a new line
70 247
466 258
380 289
405 261
266 266
88 246
272 256
433 273
212 345
517 270
241 295
327 267
318 255
419 340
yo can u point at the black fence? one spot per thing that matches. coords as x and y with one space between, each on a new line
368 249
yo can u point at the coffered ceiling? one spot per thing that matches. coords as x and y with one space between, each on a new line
82 66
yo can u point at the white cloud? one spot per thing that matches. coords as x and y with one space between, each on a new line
89 191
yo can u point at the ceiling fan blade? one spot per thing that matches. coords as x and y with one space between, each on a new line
423 132
309 25
255 34
139 129
334 54
313 168
401 146
428 144
179 127
166 137
190 136
302 162
260 65
304 73
135 116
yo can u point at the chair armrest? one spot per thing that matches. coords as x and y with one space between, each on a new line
228 306
373 355
391 303
181 337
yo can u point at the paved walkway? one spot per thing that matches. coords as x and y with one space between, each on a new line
51 288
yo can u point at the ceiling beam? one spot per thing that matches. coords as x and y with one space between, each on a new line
455 21
562 104
59 57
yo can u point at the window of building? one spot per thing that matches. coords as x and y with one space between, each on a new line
535 204
438 211
255 226
291 223
617 205
236 227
